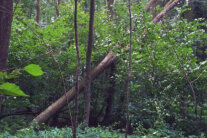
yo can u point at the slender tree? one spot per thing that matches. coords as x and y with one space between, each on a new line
78 70
38 12
110 96
87 95
57 3
111 89
56 8
110 7
129 69
6 14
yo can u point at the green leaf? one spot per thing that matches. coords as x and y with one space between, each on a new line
11 89
34 70
136 86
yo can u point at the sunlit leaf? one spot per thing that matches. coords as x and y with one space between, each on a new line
11 89
34 70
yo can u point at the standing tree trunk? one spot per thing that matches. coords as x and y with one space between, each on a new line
6 14
57 3
129 70
110 97
78 70
38 12
56 8
111 89
110 7
87 95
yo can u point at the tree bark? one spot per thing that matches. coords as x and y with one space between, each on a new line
56 106
6 14
38 12
87 95
5 29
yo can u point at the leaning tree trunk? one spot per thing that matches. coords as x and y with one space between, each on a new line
56 106
6 14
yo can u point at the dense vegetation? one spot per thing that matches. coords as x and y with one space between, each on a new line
167 89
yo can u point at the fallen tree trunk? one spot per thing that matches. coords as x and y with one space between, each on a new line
164 11
56 106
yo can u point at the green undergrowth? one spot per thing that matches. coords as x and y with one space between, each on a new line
98 132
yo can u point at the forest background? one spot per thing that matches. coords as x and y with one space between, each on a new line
151 72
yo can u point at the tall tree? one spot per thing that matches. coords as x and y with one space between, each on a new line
111 89
87 95
6 14
38 12
77 70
